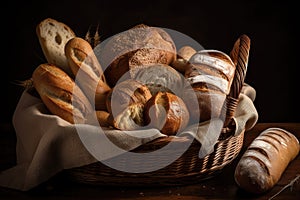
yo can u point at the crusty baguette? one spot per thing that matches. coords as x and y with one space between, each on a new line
80 56
60 94
265 160
53 35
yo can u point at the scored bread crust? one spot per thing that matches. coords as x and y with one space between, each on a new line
52 36
60 94
266 158
82 59
166 112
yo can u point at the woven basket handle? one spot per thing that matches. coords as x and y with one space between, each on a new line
239 55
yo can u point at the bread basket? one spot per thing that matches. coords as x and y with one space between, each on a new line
188 168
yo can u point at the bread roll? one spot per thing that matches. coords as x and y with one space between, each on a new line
139 46
181 63
131 118
104 118
80 56
265 160
125 103
126 93
210 74
53 36
160 78
60 94
166 112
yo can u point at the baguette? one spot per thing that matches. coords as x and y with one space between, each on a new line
265 160
60 94
53 36
80 56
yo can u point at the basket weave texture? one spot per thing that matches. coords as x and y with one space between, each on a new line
188 168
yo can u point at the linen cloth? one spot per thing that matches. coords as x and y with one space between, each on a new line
47 144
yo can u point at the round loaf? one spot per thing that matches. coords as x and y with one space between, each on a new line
166 112
60 94
139 46
265 160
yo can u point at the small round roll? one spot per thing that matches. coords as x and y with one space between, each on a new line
125 103
166 112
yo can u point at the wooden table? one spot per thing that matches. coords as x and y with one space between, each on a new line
221 186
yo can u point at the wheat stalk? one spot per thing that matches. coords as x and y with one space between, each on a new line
291 183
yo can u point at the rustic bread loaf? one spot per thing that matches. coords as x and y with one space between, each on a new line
60 94
139 46
265 160
81 58
210 74
52 36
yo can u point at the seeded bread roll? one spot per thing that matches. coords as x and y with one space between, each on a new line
265 160
53 36
60 94
81 57
137 47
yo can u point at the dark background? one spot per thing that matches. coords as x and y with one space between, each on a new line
272 27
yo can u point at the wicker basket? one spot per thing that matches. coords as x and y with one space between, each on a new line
188 168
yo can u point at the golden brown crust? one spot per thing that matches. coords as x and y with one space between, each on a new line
126 93
181 63
166 112
53 35
60 94
91 79
140 45
204 103
265 160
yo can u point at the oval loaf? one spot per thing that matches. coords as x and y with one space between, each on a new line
265 160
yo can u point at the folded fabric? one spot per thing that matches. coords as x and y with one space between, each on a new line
47 144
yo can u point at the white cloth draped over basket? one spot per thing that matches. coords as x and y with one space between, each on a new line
46 144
